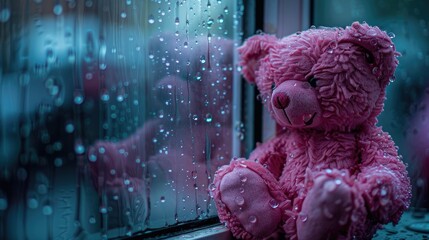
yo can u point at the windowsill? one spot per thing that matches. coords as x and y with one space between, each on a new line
402 230
211 233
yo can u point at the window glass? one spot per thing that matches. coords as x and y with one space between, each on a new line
114 115
405 111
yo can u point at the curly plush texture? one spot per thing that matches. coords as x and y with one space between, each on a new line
340 176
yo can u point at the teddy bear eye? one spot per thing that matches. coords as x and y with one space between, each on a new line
313 81
369 57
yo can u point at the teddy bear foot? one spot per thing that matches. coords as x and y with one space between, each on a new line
327 209
249 199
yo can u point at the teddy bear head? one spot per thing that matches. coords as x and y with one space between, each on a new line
325 78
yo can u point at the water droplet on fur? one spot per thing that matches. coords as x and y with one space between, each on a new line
307 117
383 191
343 220
391 35
241 190
253 219
243 179
330 186
303 217
392 79
384 201
239 200
328 170
274 203
354 217
374 70
371 32
291 155
327 213
338 181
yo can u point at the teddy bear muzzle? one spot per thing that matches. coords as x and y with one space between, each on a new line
295 104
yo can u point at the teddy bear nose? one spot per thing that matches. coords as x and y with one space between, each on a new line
281 100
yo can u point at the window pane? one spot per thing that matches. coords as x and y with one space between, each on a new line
114 115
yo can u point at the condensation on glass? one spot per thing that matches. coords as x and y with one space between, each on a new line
114 115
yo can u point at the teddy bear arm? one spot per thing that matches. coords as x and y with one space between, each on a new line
384 185
270 155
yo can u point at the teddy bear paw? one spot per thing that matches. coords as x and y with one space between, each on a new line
249 199
327 208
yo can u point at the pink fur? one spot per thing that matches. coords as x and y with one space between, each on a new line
331 171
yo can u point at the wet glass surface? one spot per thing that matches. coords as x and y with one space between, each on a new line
114 115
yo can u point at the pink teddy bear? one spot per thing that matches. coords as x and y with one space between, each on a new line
330 173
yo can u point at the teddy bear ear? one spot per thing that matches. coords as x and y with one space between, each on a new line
253 50
381 50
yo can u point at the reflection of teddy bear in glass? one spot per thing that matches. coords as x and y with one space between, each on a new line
329 173
167 164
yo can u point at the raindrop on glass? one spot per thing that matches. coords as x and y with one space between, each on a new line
212 187
123 15
220 18
203 59
69 128
47 210
209 117
103 210
92 220
151 19
58 162
78 97
58 9
391 35
3 203
104 95
79 148
4 15
176 21
162 199
32 203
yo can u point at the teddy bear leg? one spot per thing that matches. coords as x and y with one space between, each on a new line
249 200
328 208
